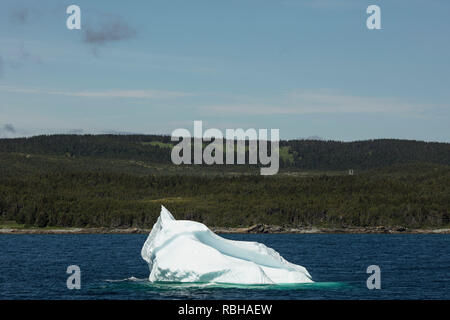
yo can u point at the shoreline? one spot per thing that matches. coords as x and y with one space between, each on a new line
256 229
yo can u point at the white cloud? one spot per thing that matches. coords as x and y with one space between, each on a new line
299 102
135 94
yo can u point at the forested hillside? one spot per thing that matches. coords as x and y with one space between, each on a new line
121 181
302 154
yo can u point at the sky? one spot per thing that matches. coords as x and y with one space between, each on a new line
309 68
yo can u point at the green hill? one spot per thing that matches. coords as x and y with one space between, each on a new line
300 154
121 181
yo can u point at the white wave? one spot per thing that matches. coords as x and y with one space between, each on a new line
134 279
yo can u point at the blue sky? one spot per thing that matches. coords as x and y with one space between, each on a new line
308 68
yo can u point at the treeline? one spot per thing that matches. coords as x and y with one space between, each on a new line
297 154
409 196
107 146
334 155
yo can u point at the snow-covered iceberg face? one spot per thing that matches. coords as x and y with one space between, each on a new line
187 251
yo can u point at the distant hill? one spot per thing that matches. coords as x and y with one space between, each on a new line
299 154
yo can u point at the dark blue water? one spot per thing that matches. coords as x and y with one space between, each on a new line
412 267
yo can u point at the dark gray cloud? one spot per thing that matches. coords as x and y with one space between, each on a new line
8 131
20 15
9 128
109 32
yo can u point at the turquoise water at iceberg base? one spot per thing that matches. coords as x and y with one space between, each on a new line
412 267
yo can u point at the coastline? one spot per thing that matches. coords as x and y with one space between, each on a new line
256 229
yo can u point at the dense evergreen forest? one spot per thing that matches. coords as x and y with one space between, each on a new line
122 180
301 154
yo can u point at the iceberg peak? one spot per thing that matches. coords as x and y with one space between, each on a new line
187 251
165 214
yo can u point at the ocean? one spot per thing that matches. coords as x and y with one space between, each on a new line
412 266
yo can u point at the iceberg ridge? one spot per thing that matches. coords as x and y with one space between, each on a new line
187 251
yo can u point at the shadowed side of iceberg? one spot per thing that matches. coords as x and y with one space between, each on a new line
187 251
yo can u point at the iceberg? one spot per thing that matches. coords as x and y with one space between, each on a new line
187 251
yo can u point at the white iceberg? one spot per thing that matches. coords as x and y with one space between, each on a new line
187 251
